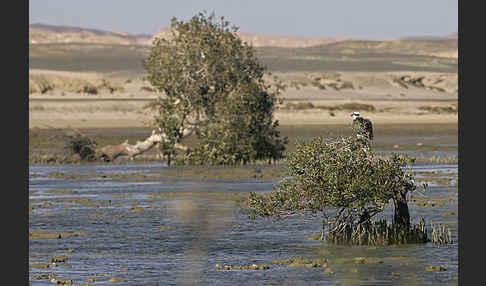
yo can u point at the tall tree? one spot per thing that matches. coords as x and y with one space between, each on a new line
214 88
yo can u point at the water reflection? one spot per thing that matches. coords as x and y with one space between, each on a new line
207 221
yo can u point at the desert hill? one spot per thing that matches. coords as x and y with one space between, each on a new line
75 60
90 78
49 34
440 46
258 40
80 49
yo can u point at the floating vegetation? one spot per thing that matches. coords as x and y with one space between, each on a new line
42 234
328 271
63 281
61 191
41 276
117 280
436 268
377 233
58 259
40 265
242 267
96 215
302 262
360 260
84 201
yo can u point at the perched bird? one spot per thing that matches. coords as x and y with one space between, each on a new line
362 126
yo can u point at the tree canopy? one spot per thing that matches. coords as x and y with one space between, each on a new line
214 88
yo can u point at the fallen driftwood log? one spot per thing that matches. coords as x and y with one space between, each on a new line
88 149
111 152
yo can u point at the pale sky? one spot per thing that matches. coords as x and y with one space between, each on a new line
370 19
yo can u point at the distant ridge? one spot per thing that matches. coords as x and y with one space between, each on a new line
452 36
71 29
43 34
258 40
446 46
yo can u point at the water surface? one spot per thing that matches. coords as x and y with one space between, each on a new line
172 231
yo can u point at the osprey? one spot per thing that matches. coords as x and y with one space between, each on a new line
362 126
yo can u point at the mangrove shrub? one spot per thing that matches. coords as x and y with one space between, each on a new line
342 180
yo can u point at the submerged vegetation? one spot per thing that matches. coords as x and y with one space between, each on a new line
378 233
441 234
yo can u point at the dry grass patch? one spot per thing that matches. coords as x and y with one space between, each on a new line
351 106
439 109
48 83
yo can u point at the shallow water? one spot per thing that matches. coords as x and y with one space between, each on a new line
172 231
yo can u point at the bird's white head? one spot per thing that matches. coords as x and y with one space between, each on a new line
355 114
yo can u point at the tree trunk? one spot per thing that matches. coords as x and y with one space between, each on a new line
401 216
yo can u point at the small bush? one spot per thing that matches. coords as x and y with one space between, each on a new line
439 109
39 84
334 85
299 106
400 83
37 108
147 88
106 84
90 89
353 106
347 85
78 143
44 83
318 85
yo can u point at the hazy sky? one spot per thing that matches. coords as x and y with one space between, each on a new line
372 19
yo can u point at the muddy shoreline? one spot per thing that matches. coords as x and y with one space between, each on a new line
46 145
